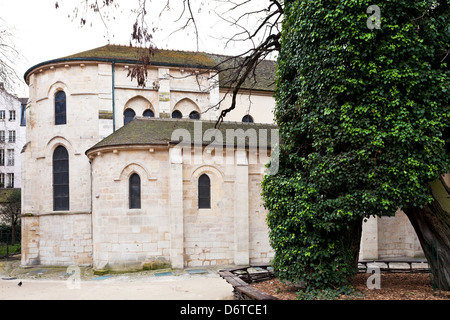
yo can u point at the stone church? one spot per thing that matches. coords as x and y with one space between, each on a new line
115 175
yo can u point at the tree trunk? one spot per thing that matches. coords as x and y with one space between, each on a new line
432 225
13 234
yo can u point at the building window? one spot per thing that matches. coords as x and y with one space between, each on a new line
12 115
129 115
23 121
2 135
12 136
60 108
204 192
2 114
10 157
10 183
194 115
177 115
2 157
135 191
148 113
2 180
247 118
60 179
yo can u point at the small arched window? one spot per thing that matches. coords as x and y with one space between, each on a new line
135 191
177 114
194 115
148 113
60 179
129 115
247 118
60 108
204 192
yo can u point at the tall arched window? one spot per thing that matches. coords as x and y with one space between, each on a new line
60 108
247 118
204 192
194 115
148 113
60 179
177 114
129 115
135 191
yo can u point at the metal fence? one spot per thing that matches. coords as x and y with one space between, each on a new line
7 248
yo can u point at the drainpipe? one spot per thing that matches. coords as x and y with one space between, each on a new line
92 214
113 96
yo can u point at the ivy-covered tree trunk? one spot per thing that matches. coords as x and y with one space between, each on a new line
362 104
432 226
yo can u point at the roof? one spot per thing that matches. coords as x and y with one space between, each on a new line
155 131
263 79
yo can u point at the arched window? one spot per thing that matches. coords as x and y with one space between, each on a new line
204 192
129 115
194 115
135 191
60 108
60 179
177 114
247 118
148 113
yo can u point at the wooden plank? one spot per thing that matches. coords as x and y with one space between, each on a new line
236 282
255 294
226 274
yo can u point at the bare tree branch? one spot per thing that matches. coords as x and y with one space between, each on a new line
262 35
9 57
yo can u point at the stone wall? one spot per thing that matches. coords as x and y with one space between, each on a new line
388 237
169 225
123 237
57 240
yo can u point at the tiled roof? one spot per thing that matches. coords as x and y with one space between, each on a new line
263 79
155 131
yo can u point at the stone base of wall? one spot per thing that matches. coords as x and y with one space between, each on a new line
57 239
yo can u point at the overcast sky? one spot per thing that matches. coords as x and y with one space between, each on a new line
41 32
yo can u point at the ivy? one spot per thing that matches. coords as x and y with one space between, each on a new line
363 116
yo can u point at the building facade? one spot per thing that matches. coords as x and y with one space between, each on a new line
76 207
116 175
12 138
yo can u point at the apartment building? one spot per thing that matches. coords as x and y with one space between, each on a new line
12 138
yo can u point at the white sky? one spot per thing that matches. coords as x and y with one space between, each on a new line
41 32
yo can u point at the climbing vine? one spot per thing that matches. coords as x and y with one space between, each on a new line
363 116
